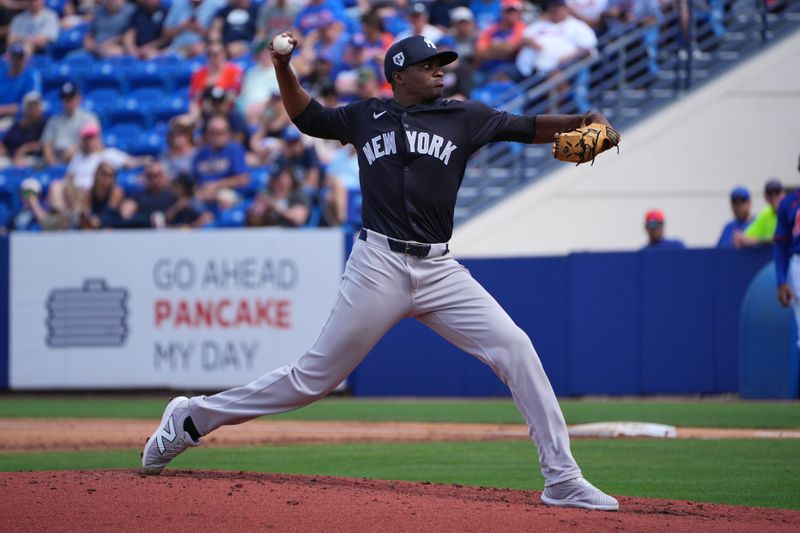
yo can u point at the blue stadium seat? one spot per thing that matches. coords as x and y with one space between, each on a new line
101 101
131 109
54 76
150 143
68 40
104 75
10 179
124 136
149 74
231 218
168 107
56 5
259 178
52 102
131 180
5 212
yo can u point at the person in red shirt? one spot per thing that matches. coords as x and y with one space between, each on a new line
217 72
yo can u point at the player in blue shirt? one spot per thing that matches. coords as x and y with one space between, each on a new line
740 204
786 249
654 225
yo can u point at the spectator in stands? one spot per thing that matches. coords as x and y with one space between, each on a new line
260 83
187 24
464 33
762 230
740 205
147 208
486 12
498 45
220 162
77 12
274 17
61 135
111 19
33 214
654 226
217 72
17 79
284 203
318 13
301 159
458 75
439 11
265 143
554 40
187 211
36 27
101 205
8 10
374 39
590 12
67 194
235 26
420 24
218 102
324 190
145 38
622 15
22 143
179 155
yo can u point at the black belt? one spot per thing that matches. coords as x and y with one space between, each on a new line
404 247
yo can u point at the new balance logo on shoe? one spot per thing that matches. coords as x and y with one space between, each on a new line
167 432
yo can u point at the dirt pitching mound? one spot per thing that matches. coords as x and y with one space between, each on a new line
124 500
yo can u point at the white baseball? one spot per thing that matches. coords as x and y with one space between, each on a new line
282 45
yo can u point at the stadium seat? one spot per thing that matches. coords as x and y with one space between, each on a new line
68 41
149 143
231 218
131 180
5 212
54 76
104 75
10 179
101 101
133 108
149 74
168 107
123 136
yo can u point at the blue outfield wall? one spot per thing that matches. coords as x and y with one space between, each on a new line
663 322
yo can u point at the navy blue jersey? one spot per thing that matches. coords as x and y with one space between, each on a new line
412 159
787 234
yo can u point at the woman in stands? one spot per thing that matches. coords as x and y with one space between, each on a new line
101 206
283 203
177 158
217 72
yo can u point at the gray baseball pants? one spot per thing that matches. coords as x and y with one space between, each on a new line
379 288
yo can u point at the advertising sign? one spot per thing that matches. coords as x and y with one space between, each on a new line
148 309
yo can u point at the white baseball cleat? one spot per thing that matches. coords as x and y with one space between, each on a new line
169 438
579 493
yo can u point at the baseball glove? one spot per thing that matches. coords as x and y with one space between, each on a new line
585 143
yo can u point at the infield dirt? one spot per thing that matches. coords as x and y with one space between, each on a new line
177 501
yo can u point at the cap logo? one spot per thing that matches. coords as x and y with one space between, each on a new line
399 59
429 43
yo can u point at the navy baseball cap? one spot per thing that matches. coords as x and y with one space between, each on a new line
773 185
740 193
413 50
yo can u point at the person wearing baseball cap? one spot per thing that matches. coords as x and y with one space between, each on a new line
33 214
16 79
60 140
762 230
412 151
22 139
498 45
419 19
654 221
740 205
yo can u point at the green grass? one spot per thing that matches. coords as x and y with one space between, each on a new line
762 473
680 413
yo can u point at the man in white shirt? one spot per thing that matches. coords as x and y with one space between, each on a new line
553 40
36 27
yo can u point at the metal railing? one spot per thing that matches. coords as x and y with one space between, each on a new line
633 73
